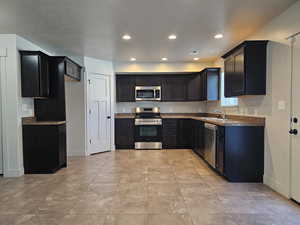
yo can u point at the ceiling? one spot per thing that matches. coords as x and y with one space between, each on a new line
94 28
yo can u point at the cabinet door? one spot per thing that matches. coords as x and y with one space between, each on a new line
148 80
194 88
185 133
62 145
229 77
203 84
220 154
125 88
199 138
238 75
169 133
212 84
34 74
174 88
124 133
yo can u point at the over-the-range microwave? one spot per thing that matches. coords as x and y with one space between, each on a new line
148 93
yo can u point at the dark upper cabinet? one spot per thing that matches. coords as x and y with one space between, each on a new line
72 70
194 88
210 84
245 69
34 74
174 88
125 88
124 133
148 80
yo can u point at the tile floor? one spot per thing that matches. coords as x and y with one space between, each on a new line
171 187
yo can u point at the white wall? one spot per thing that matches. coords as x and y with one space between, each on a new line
277 139
95 66
166 107
12 124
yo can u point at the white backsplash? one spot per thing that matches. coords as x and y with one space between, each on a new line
165 107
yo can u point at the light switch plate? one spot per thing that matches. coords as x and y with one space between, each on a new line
281 105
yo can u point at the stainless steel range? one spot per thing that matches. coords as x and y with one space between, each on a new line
148 128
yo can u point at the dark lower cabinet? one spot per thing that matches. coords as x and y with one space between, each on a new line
185 133
198 137
44 148
170 133
124 133
240 153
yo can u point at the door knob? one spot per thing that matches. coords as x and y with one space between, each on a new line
293 131
108 117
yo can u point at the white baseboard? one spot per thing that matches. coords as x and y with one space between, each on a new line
14 173
276 186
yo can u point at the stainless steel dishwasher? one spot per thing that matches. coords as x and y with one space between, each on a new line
210 144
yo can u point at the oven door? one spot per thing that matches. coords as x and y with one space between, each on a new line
148 133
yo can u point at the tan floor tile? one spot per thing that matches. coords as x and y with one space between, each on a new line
166 205
127 219
140 187
169 219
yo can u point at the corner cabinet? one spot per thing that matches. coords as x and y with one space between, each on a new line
44 148
245 69
35 74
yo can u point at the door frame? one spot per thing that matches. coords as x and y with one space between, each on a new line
292 40
3 126
87 93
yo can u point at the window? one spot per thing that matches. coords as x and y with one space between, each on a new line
227 102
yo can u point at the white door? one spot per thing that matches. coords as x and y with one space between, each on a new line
295 126
99 113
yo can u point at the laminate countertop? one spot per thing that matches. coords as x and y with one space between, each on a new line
33 121
231 120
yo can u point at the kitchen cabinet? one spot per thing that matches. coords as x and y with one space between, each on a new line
194 88
54 107
125 88
72 70
170 133
124 133
245 69
44 148
240 153
185 133
34 74
210 84
174 88
198 137
148 80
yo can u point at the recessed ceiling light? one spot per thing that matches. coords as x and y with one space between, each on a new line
218 36
126 37
132 59
164 59
194 52
172 37
196 59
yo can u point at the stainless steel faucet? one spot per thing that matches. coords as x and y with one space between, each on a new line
223 114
